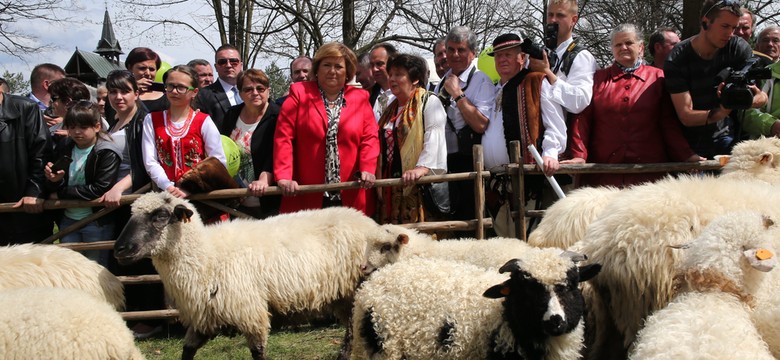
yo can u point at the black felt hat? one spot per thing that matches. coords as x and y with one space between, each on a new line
506 41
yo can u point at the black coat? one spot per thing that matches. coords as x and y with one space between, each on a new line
24 143
134 135
213 100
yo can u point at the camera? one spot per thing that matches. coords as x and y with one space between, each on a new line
735 93
537 51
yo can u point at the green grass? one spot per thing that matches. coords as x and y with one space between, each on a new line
305 343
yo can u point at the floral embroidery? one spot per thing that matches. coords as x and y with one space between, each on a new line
162 154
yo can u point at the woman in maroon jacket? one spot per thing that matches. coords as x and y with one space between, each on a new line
630 119
326 133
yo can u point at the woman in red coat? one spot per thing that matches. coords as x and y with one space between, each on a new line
630 119
326 133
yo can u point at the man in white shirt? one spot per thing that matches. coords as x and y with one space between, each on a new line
218 97
512 121
381 95
467 94
571 77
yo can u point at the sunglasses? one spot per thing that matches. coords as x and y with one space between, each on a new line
250 89
723 3
233 61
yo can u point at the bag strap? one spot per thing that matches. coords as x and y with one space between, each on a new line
568 58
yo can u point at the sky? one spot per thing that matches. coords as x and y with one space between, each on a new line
83 32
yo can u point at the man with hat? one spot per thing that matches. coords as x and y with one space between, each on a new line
536 120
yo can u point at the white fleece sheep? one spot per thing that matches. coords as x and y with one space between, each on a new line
566 220
57 323
710 317
238 273
631 237
30 265
395 243
439 309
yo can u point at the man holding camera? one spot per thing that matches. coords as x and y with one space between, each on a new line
467 95
691 72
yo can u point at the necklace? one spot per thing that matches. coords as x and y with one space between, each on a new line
177 132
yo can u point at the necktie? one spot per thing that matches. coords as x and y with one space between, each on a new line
382 102
236 96
499 99
552 57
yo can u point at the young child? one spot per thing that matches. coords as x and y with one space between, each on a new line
177 139
92 171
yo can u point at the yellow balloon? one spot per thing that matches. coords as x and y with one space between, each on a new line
232 153
164 66
487 64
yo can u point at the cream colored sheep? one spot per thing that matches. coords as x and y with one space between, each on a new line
238 273
30 265
57 323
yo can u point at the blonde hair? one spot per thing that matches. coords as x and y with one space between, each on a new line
339 50
572 4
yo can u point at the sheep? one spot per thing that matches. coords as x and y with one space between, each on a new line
30 265
439 309
710 316
566 220
59 323
237 273
394 243
630 238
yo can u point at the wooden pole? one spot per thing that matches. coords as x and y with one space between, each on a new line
479 190
518 186
150 314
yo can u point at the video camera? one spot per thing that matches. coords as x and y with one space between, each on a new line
735 93
537 51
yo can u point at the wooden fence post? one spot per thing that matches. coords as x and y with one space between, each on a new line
479 191
518 188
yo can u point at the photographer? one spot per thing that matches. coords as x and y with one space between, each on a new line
765 121
691 70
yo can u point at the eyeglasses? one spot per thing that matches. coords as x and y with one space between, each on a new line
224 61
250 89
179 89
723 3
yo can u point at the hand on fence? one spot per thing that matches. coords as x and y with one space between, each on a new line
258 187
288 187
411 176
30 204
111 198
177 192
575 160
366 179
551 165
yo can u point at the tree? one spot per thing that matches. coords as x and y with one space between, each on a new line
278 80
16 82
17 42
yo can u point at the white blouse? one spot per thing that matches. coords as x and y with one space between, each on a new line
434 151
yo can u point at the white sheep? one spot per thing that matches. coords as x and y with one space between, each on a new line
57 323
395 243
439 309
29 265
721 271
238 273
566 220
635 229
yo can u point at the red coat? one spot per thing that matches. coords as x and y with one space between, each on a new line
631 119
299 144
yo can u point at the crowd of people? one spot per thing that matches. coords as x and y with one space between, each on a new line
377 115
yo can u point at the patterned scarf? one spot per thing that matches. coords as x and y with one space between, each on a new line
332 163
630 70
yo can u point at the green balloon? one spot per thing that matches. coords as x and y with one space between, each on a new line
487 64
164 66
232 154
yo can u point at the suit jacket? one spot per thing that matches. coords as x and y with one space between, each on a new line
299 144
212 100
374 94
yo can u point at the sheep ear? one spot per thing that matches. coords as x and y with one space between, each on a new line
403 239
588 272
182 213
510 266
768 222
766 159
497 291
576 257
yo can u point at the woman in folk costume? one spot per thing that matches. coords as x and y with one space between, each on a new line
177 139
412 138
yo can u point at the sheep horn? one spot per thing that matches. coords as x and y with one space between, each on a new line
574 256
510 266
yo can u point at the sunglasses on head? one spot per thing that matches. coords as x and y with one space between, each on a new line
233 61
722 3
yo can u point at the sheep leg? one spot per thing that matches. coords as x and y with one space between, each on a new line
193 341
256 346
346 345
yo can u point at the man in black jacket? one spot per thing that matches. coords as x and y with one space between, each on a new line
24 140
218 97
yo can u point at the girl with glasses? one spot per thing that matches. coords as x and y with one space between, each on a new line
92 171
251 126
177 139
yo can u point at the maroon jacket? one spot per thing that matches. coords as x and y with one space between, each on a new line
631 119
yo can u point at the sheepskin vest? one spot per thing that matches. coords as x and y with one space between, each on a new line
178 154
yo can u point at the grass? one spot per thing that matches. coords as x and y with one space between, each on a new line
304 343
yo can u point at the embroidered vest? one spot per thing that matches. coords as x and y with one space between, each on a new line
178 154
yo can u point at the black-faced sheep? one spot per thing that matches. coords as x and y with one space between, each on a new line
440 309
238 273
57 323
29 265
631 236
710 317
395 243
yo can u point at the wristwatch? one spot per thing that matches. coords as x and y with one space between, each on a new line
461 96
